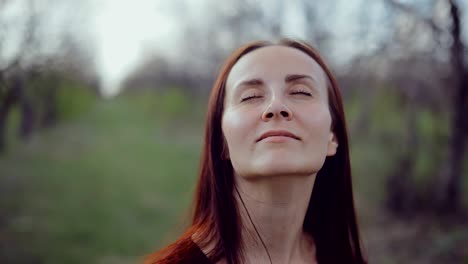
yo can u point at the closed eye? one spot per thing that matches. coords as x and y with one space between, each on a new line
302 93
250 97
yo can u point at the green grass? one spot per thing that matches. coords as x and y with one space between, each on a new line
106 187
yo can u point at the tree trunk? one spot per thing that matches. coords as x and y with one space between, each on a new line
27 118
448 191
400 186
26 107
4 110
8 100
50 106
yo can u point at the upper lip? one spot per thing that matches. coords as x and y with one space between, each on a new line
272 133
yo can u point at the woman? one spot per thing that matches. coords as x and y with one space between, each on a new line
275 181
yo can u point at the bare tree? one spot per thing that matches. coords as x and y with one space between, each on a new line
21 67
207 39
447 190
12 78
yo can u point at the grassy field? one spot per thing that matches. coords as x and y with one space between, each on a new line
115 182
105 187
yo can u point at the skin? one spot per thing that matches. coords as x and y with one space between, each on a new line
277 88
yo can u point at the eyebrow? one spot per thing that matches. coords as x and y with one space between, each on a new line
252 82
295 77
289 78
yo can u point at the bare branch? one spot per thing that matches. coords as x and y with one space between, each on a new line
412 12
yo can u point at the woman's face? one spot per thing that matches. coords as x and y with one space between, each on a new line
276 120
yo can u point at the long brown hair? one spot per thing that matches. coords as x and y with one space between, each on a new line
330 218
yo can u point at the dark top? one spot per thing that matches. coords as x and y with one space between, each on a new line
195 255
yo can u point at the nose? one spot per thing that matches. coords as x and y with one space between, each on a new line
277 109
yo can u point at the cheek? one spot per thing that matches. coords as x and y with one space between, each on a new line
318 124
235 127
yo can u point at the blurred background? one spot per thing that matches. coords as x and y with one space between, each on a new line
102 107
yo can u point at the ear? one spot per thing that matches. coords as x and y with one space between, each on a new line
332 144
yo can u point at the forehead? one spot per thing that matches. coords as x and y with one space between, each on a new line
274 62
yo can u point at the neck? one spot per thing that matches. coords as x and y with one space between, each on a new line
277 208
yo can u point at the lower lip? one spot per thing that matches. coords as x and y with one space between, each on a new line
276 139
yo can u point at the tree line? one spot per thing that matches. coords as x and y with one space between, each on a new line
32 76
414 51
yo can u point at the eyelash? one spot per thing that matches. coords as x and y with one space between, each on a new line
253 96
301 91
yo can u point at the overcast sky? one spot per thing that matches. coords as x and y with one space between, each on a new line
124 30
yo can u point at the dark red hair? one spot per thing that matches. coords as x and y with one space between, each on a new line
330 218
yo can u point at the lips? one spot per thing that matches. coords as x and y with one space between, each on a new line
273 133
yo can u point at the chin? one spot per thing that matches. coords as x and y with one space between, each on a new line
278 163
281 168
